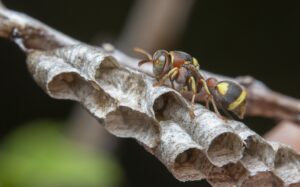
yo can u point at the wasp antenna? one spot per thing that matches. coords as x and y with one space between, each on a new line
142 51
143 62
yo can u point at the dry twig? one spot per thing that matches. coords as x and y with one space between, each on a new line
285 132
225 153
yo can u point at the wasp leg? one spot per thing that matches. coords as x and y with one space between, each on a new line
193 87
172 73
215 106
217 110
172 83
205 87
173 76
207 103
192 110
211 98
209 95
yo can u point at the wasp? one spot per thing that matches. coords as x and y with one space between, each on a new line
184 69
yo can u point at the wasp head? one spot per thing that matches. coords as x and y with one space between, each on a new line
160 61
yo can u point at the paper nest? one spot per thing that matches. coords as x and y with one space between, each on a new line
206 147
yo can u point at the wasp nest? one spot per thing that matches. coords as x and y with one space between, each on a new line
206 147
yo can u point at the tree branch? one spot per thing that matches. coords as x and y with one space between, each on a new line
34 34
261 101
104 81
280 132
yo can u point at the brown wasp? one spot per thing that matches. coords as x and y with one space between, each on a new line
184 69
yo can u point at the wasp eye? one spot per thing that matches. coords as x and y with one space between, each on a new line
162 58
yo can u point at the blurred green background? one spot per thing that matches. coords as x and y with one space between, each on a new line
257 38
38 154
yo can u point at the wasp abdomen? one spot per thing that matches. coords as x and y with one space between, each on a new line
232 94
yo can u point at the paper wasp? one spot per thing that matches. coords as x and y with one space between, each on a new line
184 69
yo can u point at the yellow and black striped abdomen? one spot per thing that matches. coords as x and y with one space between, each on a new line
231 95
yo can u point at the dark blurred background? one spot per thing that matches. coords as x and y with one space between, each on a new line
257 38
